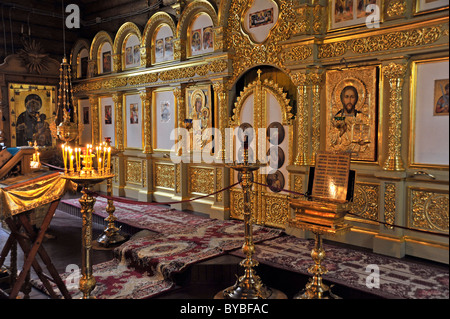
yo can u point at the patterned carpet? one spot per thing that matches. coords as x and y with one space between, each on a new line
398 279
144 265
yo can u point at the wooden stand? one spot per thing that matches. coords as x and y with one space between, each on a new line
31 244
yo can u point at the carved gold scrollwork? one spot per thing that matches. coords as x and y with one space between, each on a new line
201 180
396 8
164 175
365 201
389 205
133 172
430 210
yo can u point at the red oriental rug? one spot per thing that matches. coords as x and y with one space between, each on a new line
156 218
115 280
398 279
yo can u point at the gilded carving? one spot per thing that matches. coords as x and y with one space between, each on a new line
389 205
297 53
384 42
133 172
248 53
93 101
315 79
164 175
429 210
298 184
365 201
118 104
147 112
396 8
395 72
277 210
201 180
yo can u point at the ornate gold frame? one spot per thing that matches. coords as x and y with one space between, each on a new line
412 126
154 108
364 79
126 119
261 198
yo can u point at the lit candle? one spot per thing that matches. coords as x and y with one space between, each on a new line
104 157
64 156
71 161
99 164
109 158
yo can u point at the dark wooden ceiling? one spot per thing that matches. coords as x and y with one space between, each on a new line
44 20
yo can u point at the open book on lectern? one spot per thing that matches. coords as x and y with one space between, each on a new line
331 179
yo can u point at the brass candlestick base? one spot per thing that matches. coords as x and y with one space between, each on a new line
87 280
316 289
111 235
248 286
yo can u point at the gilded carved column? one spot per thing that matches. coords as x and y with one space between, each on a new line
222 111
395 73
178 92
118 112
145 54
315 79
117 62
302 120
93 102
146 98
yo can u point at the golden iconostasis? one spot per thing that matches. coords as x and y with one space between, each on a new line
335 76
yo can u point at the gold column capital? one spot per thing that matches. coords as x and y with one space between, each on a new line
395 70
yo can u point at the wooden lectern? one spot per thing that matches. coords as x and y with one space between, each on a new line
322 211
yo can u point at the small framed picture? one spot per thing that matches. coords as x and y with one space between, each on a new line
441 97
129 57
207 38
165 111
196 40
159 49
168 47
86 115
134 113
107 62
260 18
108 114
136 55
349 13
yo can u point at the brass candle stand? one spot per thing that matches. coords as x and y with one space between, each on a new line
315 288
79 169
87 280
248 286
111 235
